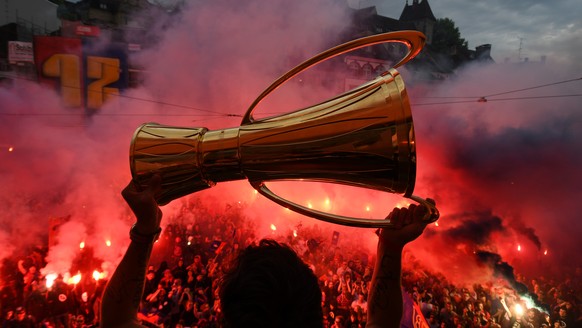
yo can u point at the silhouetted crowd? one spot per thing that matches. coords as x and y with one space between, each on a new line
181 287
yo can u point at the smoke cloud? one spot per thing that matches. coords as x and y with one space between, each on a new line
503 172
513 157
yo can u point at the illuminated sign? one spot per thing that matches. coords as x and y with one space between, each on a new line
20 52
85 76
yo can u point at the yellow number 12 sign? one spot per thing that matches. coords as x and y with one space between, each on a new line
81 80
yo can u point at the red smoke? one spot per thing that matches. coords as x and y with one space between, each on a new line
514 159
502 172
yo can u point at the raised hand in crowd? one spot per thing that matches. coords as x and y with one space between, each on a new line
123 293
385 298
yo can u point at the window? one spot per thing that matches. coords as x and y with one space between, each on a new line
380 69
367 71
354 68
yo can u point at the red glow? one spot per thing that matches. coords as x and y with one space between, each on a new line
98 275
518 309
74 279
453 149
50 279
327 203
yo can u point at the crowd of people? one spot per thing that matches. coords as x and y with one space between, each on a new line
196 247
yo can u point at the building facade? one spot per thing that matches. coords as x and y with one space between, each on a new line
114 20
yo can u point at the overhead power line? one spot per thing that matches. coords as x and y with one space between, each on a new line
486 98
468 99
159 102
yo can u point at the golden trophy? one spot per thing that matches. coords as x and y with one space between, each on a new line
363 138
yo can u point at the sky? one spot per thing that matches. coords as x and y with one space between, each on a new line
545 28
504 173
539 28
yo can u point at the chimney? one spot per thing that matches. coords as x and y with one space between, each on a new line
483 51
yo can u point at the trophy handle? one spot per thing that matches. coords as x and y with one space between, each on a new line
431 216
414 40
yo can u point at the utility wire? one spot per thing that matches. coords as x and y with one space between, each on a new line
159 102
531 88
506 92
478 99
109 114
484 100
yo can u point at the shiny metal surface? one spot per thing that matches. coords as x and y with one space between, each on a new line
362 138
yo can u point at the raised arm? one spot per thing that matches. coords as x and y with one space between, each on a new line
385 297
124 291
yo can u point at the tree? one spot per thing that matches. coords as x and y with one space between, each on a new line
447 38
